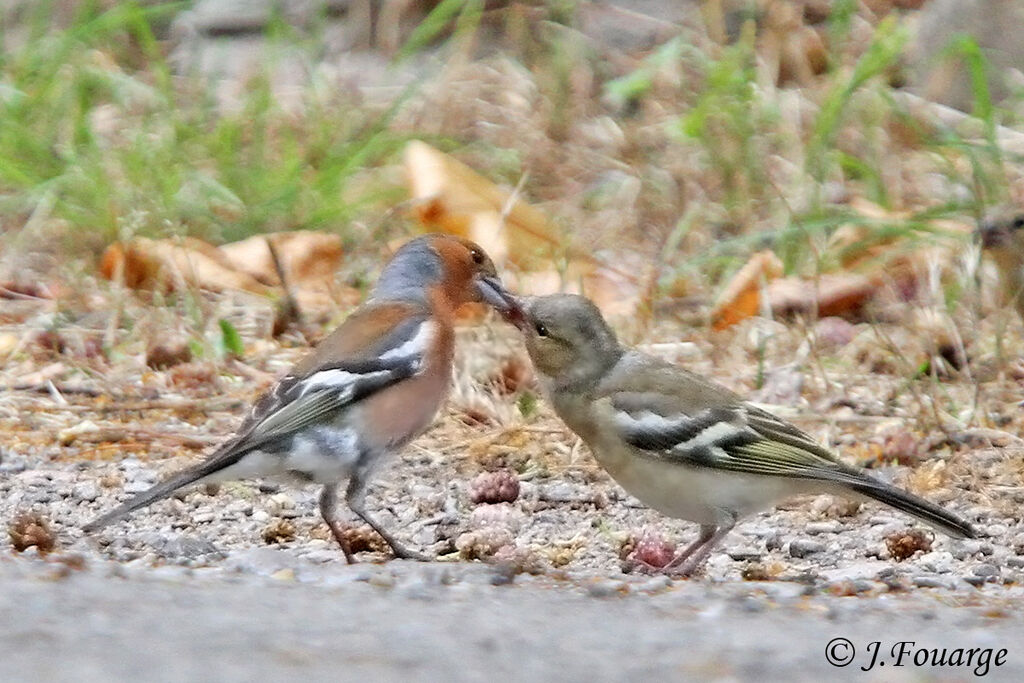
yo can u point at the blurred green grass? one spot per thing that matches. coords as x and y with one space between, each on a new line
96 132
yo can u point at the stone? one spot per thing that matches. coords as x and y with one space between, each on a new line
930 582
830 527
938 561
803 547
86 491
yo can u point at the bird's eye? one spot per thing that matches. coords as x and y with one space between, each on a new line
477 256
1018 222
541 330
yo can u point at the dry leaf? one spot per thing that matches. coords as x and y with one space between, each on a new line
833 294
742 297
309 260
453 198
173 265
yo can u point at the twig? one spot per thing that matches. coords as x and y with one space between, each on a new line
122 405
54 390
287 310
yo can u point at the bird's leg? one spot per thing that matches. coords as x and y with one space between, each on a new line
355 496
328 503
693 563
706 532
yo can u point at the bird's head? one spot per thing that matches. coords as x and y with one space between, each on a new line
568 339
455 269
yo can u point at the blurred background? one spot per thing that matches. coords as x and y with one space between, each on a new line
681 161
693 132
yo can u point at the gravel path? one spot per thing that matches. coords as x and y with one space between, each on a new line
192 589
404 621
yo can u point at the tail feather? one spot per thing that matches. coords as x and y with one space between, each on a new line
157 492
918 507
229 454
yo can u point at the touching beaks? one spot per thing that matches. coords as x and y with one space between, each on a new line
990 234
494 293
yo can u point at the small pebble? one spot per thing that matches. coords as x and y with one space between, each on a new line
997 530
938 561
501 486
655 584
966 549
745 554
986 570
815 528
607 589
86 491
803 547
929 582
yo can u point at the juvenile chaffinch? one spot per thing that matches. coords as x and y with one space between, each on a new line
1002 238
369 388
682 444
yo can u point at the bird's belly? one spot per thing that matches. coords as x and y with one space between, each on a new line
324 455
698 494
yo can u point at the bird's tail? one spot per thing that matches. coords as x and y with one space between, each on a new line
157 492
927 512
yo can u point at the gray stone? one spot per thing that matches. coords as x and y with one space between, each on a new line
930 582
803 547
938 561
86 490
986 570
745 554
607 588
815 528
944 77
136 486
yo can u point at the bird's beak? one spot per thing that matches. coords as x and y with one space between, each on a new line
990 234
494 293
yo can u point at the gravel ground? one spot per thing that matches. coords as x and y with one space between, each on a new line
243 581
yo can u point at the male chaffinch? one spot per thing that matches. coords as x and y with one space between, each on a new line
1002 238
680 443
369 388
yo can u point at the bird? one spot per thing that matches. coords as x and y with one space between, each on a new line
1001 234
371 386
680 443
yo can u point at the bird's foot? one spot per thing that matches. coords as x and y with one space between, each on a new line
339 535
403 553
684 570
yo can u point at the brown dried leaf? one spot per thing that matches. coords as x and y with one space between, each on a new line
453 198
834 294
309 260
742 296
173 265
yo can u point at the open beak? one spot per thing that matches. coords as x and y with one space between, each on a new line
493 293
